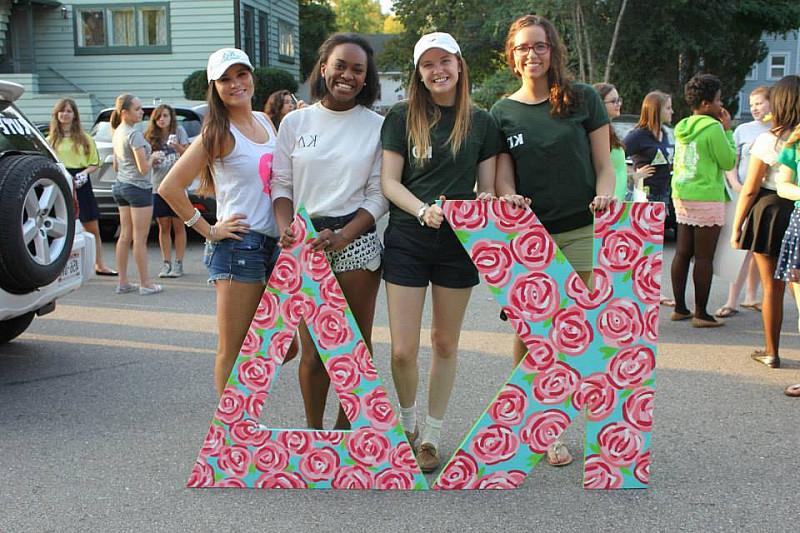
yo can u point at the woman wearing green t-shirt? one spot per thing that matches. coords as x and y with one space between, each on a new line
558 149
436 144
613 103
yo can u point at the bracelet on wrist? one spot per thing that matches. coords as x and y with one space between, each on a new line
212 233
193 220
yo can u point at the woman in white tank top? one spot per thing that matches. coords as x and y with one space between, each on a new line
233 156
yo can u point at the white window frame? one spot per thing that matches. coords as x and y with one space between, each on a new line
770 66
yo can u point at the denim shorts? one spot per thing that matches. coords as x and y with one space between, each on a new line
248 261
127 195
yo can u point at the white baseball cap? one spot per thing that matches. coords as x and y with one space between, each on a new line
437 39
219 61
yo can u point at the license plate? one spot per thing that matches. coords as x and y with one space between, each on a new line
72 269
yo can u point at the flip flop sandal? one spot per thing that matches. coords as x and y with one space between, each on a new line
106 272
754 307
725 312
558 454
667 302
793 391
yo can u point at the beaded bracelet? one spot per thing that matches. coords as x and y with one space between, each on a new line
192 221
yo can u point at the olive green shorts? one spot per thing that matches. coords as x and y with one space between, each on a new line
577 246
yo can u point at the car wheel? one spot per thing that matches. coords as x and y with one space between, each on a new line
108 230
13 327
37 222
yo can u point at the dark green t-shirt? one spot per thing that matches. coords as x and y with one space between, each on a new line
442 173
552 156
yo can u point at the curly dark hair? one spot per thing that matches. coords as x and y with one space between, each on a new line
274 105
701 88
369 93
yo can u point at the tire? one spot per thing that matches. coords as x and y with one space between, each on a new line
13 327
37 222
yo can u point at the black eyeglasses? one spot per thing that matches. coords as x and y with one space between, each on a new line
538 48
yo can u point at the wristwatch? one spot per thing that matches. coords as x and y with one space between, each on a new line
421 213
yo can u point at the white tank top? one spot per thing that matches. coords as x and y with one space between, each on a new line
241 180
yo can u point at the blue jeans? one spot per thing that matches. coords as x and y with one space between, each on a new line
250 260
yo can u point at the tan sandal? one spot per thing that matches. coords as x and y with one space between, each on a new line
558 454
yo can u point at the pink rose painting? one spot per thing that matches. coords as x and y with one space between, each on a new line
591 349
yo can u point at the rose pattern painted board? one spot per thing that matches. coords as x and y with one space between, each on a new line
592 350
240 452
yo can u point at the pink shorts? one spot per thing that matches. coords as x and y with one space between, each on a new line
695 213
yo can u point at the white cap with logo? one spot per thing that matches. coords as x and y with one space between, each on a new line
219 61
437 39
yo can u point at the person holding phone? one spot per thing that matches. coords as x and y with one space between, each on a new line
704 151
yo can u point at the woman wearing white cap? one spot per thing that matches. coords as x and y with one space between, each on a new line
436 144
233 156
328 160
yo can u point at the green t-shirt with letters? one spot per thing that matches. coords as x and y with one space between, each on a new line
552 156
441 174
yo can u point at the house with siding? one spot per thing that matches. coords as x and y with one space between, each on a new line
94 50
782 59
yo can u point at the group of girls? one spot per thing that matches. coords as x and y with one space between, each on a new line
141 161
348 166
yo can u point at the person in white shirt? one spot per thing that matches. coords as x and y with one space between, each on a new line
744 136
328 160
232 155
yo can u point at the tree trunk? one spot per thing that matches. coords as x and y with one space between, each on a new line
610 60
579 41
588 44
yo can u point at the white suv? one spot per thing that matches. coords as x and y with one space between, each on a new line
44 251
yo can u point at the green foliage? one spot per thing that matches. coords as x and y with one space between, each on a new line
317 21
358 16
195 85
660 45
496 86
267 80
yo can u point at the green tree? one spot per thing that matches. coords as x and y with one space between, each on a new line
358 16
317 21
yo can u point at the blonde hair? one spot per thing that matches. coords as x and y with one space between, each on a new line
122 103
80 141
423 114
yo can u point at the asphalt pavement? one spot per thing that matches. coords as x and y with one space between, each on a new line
104 405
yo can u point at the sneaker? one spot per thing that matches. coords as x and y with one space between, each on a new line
412 438
127 288
177 270
165 270
428 458
146 291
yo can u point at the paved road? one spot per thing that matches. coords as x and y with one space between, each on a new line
104 405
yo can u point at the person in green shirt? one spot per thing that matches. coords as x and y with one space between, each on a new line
704 149
435 145
76 149
558 151
613 103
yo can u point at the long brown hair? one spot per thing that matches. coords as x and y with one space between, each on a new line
80 141
650 116
423 114
155 135
274 105
784 101
216 133
604 89
122 103
563 98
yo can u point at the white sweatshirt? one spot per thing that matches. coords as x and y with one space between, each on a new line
330 161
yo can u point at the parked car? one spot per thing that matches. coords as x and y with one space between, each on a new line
189 116
44 251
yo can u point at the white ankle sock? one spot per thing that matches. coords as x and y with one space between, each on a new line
408 417
432 431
